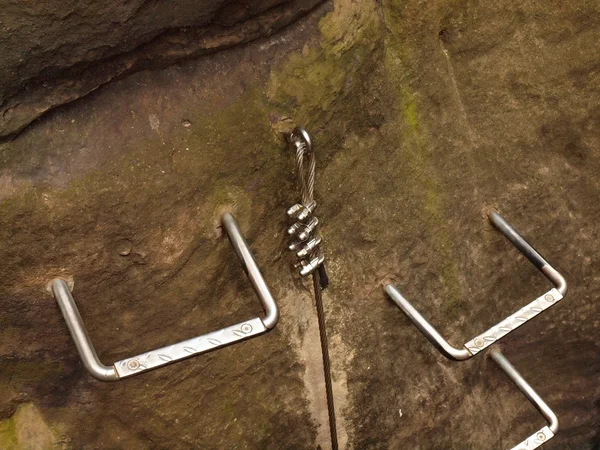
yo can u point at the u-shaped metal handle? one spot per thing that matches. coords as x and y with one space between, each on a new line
181 350
539 437
509 324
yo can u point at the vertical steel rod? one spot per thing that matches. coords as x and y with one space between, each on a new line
83 343
525 388
242 250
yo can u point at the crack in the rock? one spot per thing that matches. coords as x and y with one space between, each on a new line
180 44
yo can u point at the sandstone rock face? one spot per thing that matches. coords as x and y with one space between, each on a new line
424 116
55 52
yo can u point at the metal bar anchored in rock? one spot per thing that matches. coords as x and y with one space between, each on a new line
181 350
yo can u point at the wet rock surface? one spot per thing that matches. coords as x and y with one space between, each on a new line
423 117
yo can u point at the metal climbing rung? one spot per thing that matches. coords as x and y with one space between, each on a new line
509 324
181 350
545 434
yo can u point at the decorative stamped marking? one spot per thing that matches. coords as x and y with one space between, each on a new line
513 322
535 440
185 349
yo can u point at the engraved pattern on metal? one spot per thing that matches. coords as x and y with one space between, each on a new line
185 349
514 321
535 440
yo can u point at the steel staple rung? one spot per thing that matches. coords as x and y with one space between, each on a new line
191 347
507 325
545 434
182 350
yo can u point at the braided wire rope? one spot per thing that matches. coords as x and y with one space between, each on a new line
307 188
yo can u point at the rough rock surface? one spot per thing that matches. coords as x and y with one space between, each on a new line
424 116
55 52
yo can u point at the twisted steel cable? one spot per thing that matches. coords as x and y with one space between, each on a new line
319 277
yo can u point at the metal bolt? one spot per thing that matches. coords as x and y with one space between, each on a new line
134 364
295 246
308 229
294 228
307 211
308 268
309 247
294 210
541 436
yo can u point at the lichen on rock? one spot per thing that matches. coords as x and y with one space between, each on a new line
27 430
